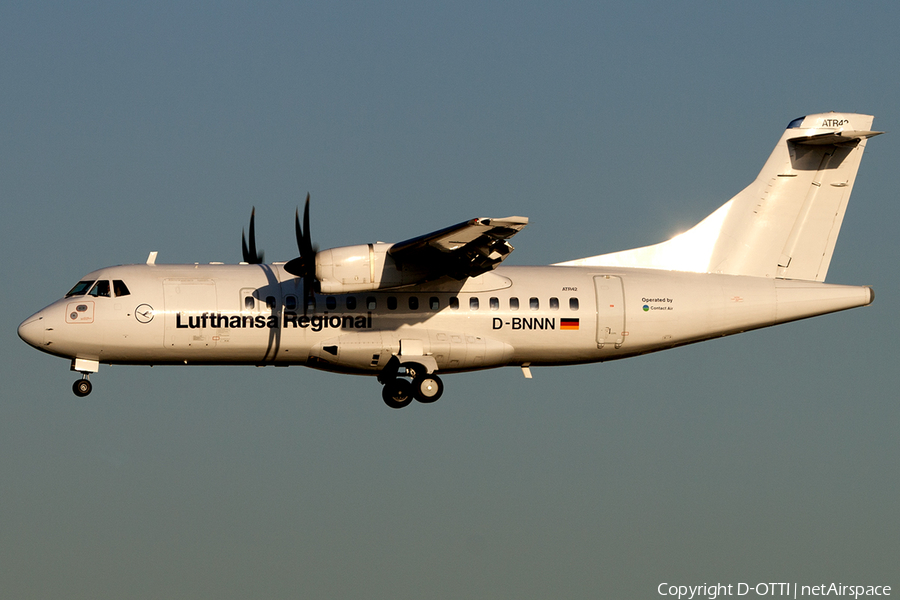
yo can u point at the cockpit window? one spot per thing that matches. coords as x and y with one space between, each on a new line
100 289
80 288
119 288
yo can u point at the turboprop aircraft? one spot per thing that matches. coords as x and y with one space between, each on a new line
440 303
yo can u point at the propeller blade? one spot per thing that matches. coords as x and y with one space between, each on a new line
298 266
308 249
304 265
250 253
298 231
304 239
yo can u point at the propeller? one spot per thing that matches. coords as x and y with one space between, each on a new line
304 265
250 253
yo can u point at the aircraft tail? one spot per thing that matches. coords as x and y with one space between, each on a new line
783 225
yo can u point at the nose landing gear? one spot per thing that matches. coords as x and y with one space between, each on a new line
85 366
82 387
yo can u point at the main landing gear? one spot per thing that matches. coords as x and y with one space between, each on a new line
399 392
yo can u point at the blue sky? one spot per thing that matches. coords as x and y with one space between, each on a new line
769 456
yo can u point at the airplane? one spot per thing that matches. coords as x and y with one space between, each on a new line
442 303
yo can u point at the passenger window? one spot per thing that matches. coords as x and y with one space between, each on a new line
573 303
392 303
330 302
100 289
270 302
495 304
370 302
413 303
513 303
534 304
80 289
454 303
311 304
119 288
290 302
249 303
473 303
434 303
351 302
554 303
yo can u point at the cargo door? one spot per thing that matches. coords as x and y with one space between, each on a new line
610 310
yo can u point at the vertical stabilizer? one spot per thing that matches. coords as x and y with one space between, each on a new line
784 224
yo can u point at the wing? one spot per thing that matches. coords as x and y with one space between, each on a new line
464 250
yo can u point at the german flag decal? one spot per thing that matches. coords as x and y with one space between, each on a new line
568 324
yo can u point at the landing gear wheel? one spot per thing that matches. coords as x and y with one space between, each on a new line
427 388
397 393
82 387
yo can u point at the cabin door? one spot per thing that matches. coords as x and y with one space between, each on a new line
189 302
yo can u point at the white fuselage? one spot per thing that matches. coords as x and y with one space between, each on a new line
254 314
441 302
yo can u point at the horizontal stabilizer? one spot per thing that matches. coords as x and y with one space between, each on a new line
834 139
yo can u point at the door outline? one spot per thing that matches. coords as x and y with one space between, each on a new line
184 299
610 293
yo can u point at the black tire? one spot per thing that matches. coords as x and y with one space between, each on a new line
427 388
397 393
82 388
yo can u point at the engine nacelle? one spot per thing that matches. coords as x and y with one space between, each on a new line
359 268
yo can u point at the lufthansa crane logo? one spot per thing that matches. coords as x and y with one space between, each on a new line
144 313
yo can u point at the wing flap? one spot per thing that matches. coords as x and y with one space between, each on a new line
463 250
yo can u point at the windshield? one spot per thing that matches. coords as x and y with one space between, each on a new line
80 288
100 289
119 288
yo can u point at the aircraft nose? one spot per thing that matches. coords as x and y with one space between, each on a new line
32 330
